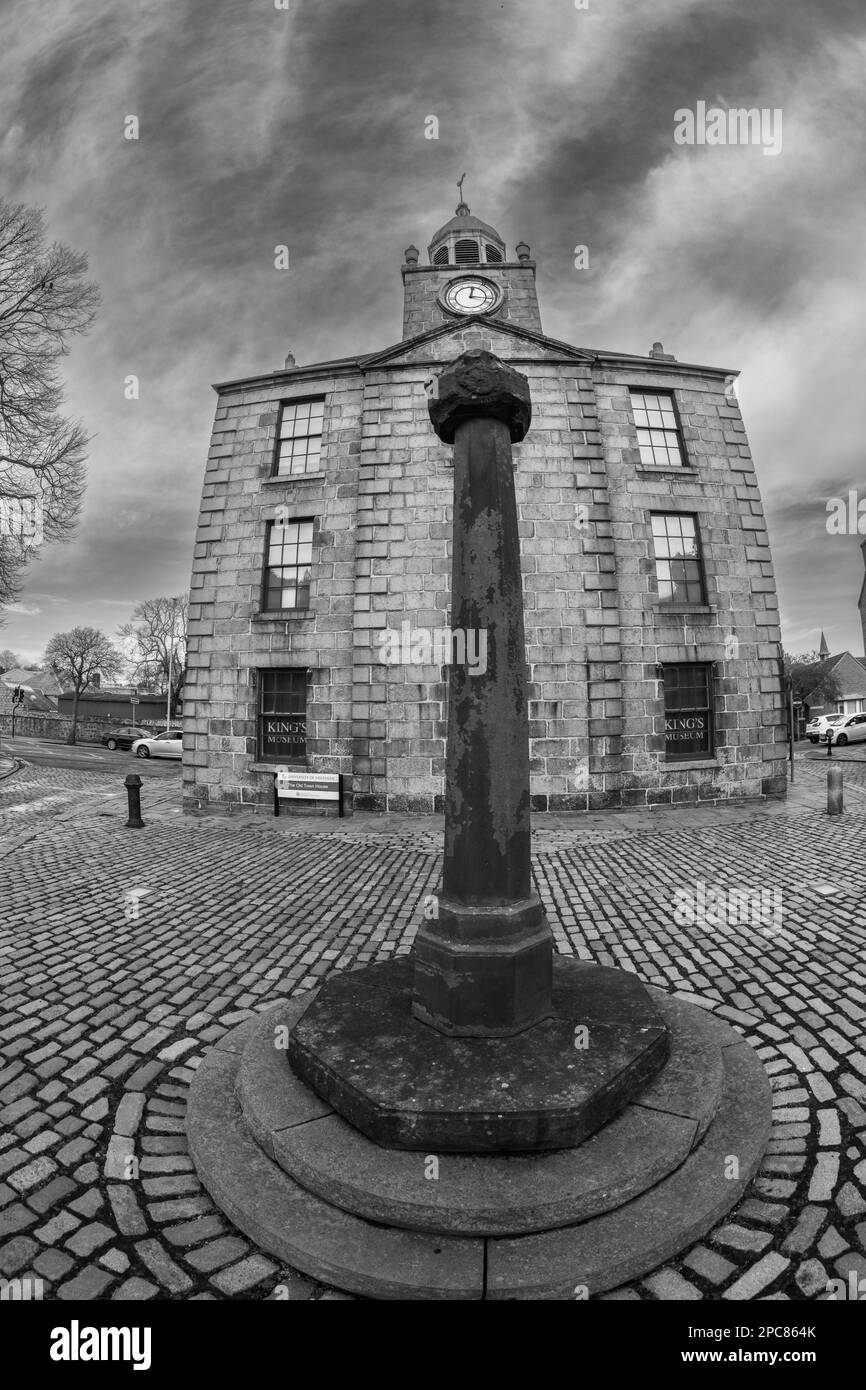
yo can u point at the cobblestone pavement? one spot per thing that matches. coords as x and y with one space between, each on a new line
125 955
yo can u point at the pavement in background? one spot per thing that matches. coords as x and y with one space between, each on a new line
124 955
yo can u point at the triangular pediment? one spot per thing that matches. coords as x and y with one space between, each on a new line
448 340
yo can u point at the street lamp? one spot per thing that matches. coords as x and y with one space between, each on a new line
173 639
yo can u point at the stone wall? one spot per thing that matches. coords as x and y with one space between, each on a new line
737 628
52 726
382 557
423 284
230 638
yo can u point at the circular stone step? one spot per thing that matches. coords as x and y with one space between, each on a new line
473 1194
385 1262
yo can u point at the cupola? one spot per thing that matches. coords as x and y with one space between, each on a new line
466 240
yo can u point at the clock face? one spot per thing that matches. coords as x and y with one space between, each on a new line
471 295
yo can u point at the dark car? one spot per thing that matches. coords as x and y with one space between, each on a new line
124 736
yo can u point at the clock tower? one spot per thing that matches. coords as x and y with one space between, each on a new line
468 275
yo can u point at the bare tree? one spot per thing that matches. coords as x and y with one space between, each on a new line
156 643
810 674
79 659
44 301
9 660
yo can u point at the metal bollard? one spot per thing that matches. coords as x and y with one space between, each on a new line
133 792
829 744
834 791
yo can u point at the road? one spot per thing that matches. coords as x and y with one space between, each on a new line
86 757
125 955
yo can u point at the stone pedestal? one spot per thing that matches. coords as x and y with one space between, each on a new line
409 1086
309 1187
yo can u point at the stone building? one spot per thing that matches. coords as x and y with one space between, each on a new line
324 535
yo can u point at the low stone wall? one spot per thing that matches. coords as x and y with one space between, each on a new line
55 726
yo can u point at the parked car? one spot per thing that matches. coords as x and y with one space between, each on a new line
124 736
851 730
816 729
167 745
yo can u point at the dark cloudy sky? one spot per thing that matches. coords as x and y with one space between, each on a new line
305 126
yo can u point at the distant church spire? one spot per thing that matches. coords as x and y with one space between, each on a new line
823 650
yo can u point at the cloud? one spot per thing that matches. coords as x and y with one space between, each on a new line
306 127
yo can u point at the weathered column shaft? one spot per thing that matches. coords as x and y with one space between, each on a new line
483 968
487 830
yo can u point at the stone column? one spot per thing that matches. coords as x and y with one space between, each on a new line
483 968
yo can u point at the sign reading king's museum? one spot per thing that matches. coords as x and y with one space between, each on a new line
686 734
283 738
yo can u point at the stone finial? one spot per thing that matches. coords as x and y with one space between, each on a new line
411 255
657 350
479 386
290 361
522 250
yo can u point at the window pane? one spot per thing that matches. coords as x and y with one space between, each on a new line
657 433
678 564
688 712
282 715
300 430
289 562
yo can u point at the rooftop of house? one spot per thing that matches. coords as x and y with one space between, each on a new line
827 667
43 681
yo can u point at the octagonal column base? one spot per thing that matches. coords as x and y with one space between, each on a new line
484 972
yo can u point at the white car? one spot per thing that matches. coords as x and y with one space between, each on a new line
852 729
167 745
816 729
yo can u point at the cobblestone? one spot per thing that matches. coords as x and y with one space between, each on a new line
758 1278
217 1253
162 1266
90 1282
742 1238
53 1264
244 1275
89 1238
824 1178
106 1019
669 1285
811 1278
710 1265
17 1253
137 1289
127 1213
129 1113
802 1237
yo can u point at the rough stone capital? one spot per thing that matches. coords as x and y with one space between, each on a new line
479 386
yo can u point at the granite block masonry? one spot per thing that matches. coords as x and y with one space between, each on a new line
653 660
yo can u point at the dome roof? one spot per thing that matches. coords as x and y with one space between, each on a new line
465 222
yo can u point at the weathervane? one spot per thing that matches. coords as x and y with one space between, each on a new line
460 192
